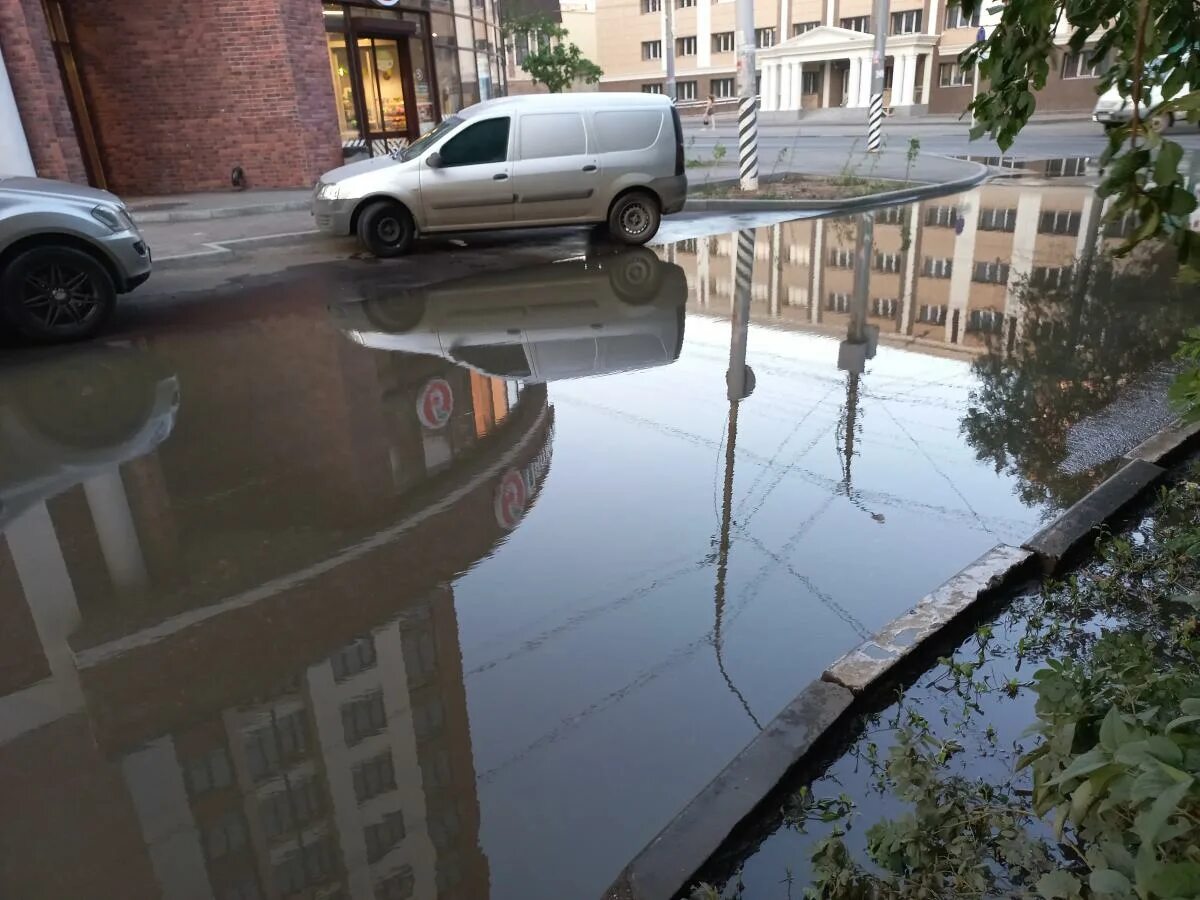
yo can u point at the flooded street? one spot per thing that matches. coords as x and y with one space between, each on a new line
337 587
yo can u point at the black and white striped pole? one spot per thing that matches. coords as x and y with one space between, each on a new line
747 98
879 21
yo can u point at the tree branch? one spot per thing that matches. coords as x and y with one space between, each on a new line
1139 51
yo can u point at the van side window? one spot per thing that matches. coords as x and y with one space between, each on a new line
552 134
483 142
631 129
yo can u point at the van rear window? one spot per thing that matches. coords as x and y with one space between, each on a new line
633 129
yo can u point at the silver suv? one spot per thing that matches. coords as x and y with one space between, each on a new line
66 251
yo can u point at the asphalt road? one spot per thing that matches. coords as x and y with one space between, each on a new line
1051 140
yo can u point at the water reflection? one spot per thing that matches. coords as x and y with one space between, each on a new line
1015 277
598 315
219 675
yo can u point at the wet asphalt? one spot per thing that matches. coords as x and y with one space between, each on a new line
458 576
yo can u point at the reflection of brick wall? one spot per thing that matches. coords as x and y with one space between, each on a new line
37 86
183 92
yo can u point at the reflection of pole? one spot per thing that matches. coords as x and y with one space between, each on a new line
740 384
880 23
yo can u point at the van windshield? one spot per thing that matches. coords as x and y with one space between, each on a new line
425 141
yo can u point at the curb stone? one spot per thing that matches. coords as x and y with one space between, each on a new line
924 191
1167 444
1071 529
690 838
158 217
871 660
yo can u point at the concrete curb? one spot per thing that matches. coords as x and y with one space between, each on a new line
869 201
873 659
680 850
217 250
691 837
151 217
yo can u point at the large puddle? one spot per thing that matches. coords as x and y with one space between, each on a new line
463 591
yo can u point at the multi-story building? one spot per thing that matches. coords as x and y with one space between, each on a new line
578 19
816 54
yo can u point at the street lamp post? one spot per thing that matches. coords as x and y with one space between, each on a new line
879 16
747 98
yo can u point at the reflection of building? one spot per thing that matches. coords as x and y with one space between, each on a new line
274 707
814 54
578 17
945 273
262 86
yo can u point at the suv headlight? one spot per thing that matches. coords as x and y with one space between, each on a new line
108 218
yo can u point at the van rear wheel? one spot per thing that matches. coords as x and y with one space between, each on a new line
386 229
634 218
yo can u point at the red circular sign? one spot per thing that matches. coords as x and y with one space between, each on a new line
435 404
511 498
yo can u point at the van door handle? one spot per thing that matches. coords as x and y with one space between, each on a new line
589 168
501 177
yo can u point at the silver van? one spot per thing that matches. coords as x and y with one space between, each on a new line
517 162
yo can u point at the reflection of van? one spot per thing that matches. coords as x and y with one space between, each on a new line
558 320
517 162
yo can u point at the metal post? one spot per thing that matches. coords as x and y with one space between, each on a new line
739 379
669 45
879 21
748 99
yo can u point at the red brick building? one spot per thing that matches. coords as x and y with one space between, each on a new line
156 98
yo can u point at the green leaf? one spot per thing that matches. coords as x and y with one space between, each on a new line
1165 749
1110 881
1180 722
1113 730
1181 203
1060 884
1175 82
1177 879
1151 783
1191 706
1167 164
1089 762
1148 824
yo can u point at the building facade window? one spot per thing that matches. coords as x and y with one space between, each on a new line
274 746
1081 65
310 866
684 4
995 272
357 656
933 267
884 306
1068 167
764 38
931 315
887 262
685 46
722 88
686 90
810 82
397 886
297 805
803 28
941 216
652 88
651 49
991 219
1051 276
651 6
841 258
363 717
857 23
956 18
208 772
1053 221
951 74
723 42
906 22
227 835
374 776
382 836
989 321
837 302
889 215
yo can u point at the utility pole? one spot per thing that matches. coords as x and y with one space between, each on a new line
669 45
879 16
748 98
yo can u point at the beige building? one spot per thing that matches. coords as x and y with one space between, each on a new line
578 17
814 54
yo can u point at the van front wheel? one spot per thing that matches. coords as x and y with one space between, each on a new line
634 218
385 228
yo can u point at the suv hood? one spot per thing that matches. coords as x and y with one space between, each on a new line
63 190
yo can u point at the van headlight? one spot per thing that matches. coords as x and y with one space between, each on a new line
329 192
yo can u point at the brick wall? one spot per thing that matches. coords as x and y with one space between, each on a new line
37 87
181 93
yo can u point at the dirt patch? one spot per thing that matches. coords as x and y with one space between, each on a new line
806 187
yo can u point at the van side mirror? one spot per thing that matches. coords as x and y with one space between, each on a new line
434 160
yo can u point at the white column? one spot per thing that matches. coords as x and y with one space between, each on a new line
1024 246
14 149
773 90
864 81
798 85
927 78
775 271
902 80
787 97
785 18
826 69
851 96
816 267
910 269
964 264
703 35
830 6
703 275
155 782
118 536
934 25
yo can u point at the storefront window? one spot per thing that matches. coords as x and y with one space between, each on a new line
449 84
383 85
343 90
422 85
470 77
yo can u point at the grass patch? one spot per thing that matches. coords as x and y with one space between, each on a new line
804 187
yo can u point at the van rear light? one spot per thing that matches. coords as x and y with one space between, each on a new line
678 140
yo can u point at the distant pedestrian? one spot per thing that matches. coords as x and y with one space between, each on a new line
710 113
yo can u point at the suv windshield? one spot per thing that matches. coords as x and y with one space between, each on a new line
421 144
